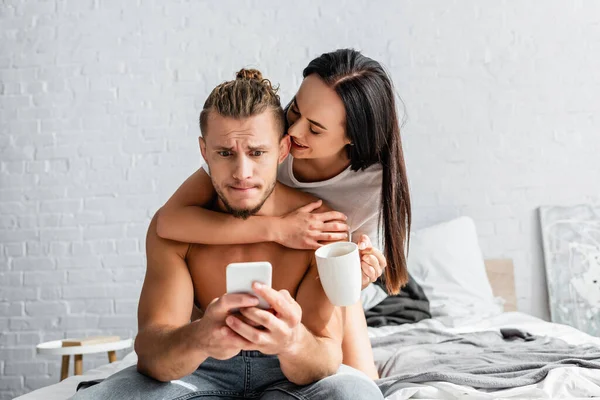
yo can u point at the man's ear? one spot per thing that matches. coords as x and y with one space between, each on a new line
284 148
202 144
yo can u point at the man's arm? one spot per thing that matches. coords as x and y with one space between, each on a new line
165 342
317 352
168 345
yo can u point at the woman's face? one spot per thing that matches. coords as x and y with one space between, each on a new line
317 121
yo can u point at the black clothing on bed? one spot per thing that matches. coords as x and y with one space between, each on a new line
407 307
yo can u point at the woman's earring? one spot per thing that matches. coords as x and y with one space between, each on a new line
351 144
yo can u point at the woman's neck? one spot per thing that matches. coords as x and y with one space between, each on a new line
316 170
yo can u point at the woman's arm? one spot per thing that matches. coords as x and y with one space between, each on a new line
184 218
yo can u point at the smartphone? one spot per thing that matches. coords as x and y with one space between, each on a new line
240 276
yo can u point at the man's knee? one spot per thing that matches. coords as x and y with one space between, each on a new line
347 383
348 386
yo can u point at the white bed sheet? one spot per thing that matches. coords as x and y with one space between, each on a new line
566 382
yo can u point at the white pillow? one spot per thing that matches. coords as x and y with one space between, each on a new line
447 263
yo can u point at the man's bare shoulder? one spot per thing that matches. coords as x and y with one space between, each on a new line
291 199
155 245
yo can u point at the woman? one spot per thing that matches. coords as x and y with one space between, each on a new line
346 150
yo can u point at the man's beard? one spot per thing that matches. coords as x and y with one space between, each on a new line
244 213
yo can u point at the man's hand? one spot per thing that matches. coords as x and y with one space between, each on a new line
215 338
281 327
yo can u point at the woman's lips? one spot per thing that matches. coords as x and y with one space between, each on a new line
298 145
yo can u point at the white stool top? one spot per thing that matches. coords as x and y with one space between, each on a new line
55 347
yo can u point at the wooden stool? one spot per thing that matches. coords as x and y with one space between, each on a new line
78 347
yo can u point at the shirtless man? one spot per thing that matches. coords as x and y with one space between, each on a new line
293 352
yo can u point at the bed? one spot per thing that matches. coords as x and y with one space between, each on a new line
468 296
567 382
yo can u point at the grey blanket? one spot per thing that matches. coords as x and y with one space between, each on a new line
483 360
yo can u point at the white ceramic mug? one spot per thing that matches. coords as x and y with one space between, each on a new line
340 272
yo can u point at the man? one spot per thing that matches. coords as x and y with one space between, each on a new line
293 352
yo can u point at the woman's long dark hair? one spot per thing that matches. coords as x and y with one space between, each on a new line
372 126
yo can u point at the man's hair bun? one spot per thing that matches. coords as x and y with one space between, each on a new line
251 74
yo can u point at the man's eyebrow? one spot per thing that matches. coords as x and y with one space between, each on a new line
254 147
251 147
309 120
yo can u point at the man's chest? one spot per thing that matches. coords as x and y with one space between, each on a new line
207 265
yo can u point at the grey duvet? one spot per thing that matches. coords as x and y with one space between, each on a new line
483 360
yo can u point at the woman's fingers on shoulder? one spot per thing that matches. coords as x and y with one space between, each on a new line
337 226
331 236
311 243
311 206
332 216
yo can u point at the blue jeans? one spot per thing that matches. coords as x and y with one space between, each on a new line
250 374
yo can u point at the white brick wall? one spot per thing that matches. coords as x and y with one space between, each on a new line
99 103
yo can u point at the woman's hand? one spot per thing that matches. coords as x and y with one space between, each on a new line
372 261
303 229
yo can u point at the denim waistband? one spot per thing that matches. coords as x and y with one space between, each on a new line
254 354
